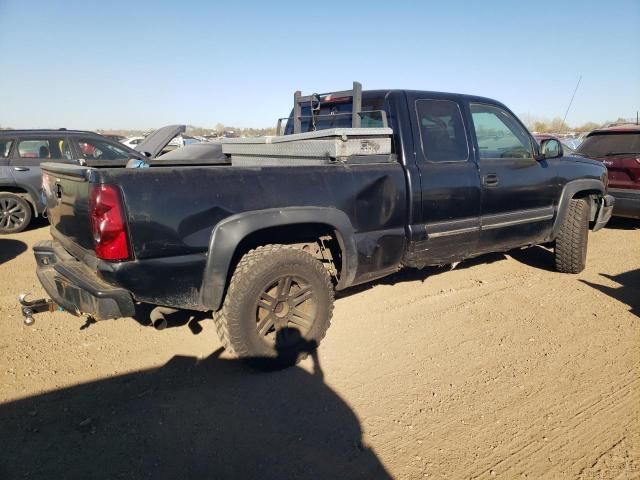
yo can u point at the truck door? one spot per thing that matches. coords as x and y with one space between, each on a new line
518 192
448 224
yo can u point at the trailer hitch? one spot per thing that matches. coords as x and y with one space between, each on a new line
30 307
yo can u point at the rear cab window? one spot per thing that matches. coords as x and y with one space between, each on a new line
337 113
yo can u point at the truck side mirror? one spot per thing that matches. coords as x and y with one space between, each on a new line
551 148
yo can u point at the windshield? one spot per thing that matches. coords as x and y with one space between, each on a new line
603 144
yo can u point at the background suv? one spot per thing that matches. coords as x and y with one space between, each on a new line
22 152
618 147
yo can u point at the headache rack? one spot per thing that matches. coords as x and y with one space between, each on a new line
315 101
353 144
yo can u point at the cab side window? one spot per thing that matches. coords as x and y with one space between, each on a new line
442 131
498 134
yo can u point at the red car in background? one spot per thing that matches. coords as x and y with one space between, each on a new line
618 147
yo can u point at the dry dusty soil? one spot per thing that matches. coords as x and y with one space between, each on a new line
499 368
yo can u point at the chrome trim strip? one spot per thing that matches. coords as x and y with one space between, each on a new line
517 216
453 222
453 232
452 227
488 222
526 213
517 222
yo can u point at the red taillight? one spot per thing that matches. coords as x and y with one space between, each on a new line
108 223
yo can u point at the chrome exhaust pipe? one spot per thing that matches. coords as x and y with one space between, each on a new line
157 317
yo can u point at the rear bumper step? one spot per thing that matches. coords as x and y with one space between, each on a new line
76 288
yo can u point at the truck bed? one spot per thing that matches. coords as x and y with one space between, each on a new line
171 212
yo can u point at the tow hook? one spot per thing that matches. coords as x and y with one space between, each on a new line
30 307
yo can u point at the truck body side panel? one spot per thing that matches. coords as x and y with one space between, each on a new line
170 235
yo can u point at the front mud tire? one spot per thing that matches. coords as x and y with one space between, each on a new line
571 243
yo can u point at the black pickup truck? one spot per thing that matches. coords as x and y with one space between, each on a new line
265 247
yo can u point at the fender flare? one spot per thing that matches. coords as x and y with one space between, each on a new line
568 192
228 233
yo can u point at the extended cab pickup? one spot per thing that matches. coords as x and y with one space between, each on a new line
264 247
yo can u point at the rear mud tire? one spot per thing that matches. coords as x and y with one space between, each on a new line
278 307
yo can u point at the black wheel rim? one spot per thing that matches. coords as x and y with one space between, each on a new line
286 311
12 214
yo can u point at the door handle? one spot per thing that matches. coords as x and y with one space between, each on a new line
490 179
21 169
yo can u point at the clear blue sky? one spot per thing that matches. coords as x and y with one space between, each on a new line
127 64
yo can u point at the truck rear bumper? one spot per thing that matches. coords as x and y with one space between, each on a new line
627 202
76 288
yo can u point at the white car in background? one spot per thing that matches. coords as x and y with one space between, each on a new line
180 141
173 132
132 142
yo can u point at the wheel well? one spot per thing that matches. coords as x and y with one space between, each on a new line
320 240
23 193
592 197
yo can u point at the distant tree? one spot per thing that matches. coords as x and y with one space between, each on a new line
557 126
540 127
587 127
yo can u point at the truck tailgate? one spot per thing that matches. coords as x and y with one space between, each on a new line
67 199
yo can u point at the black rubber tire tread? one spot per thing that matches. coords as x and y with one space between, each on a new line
27 208
571 243
234 331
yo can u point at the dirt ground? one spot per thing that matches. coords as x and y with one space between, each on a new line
499 368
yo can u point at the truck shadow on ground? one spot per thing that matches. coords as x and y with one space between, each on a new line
10 249
537 257
191 418
37 223
627 292
622 223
